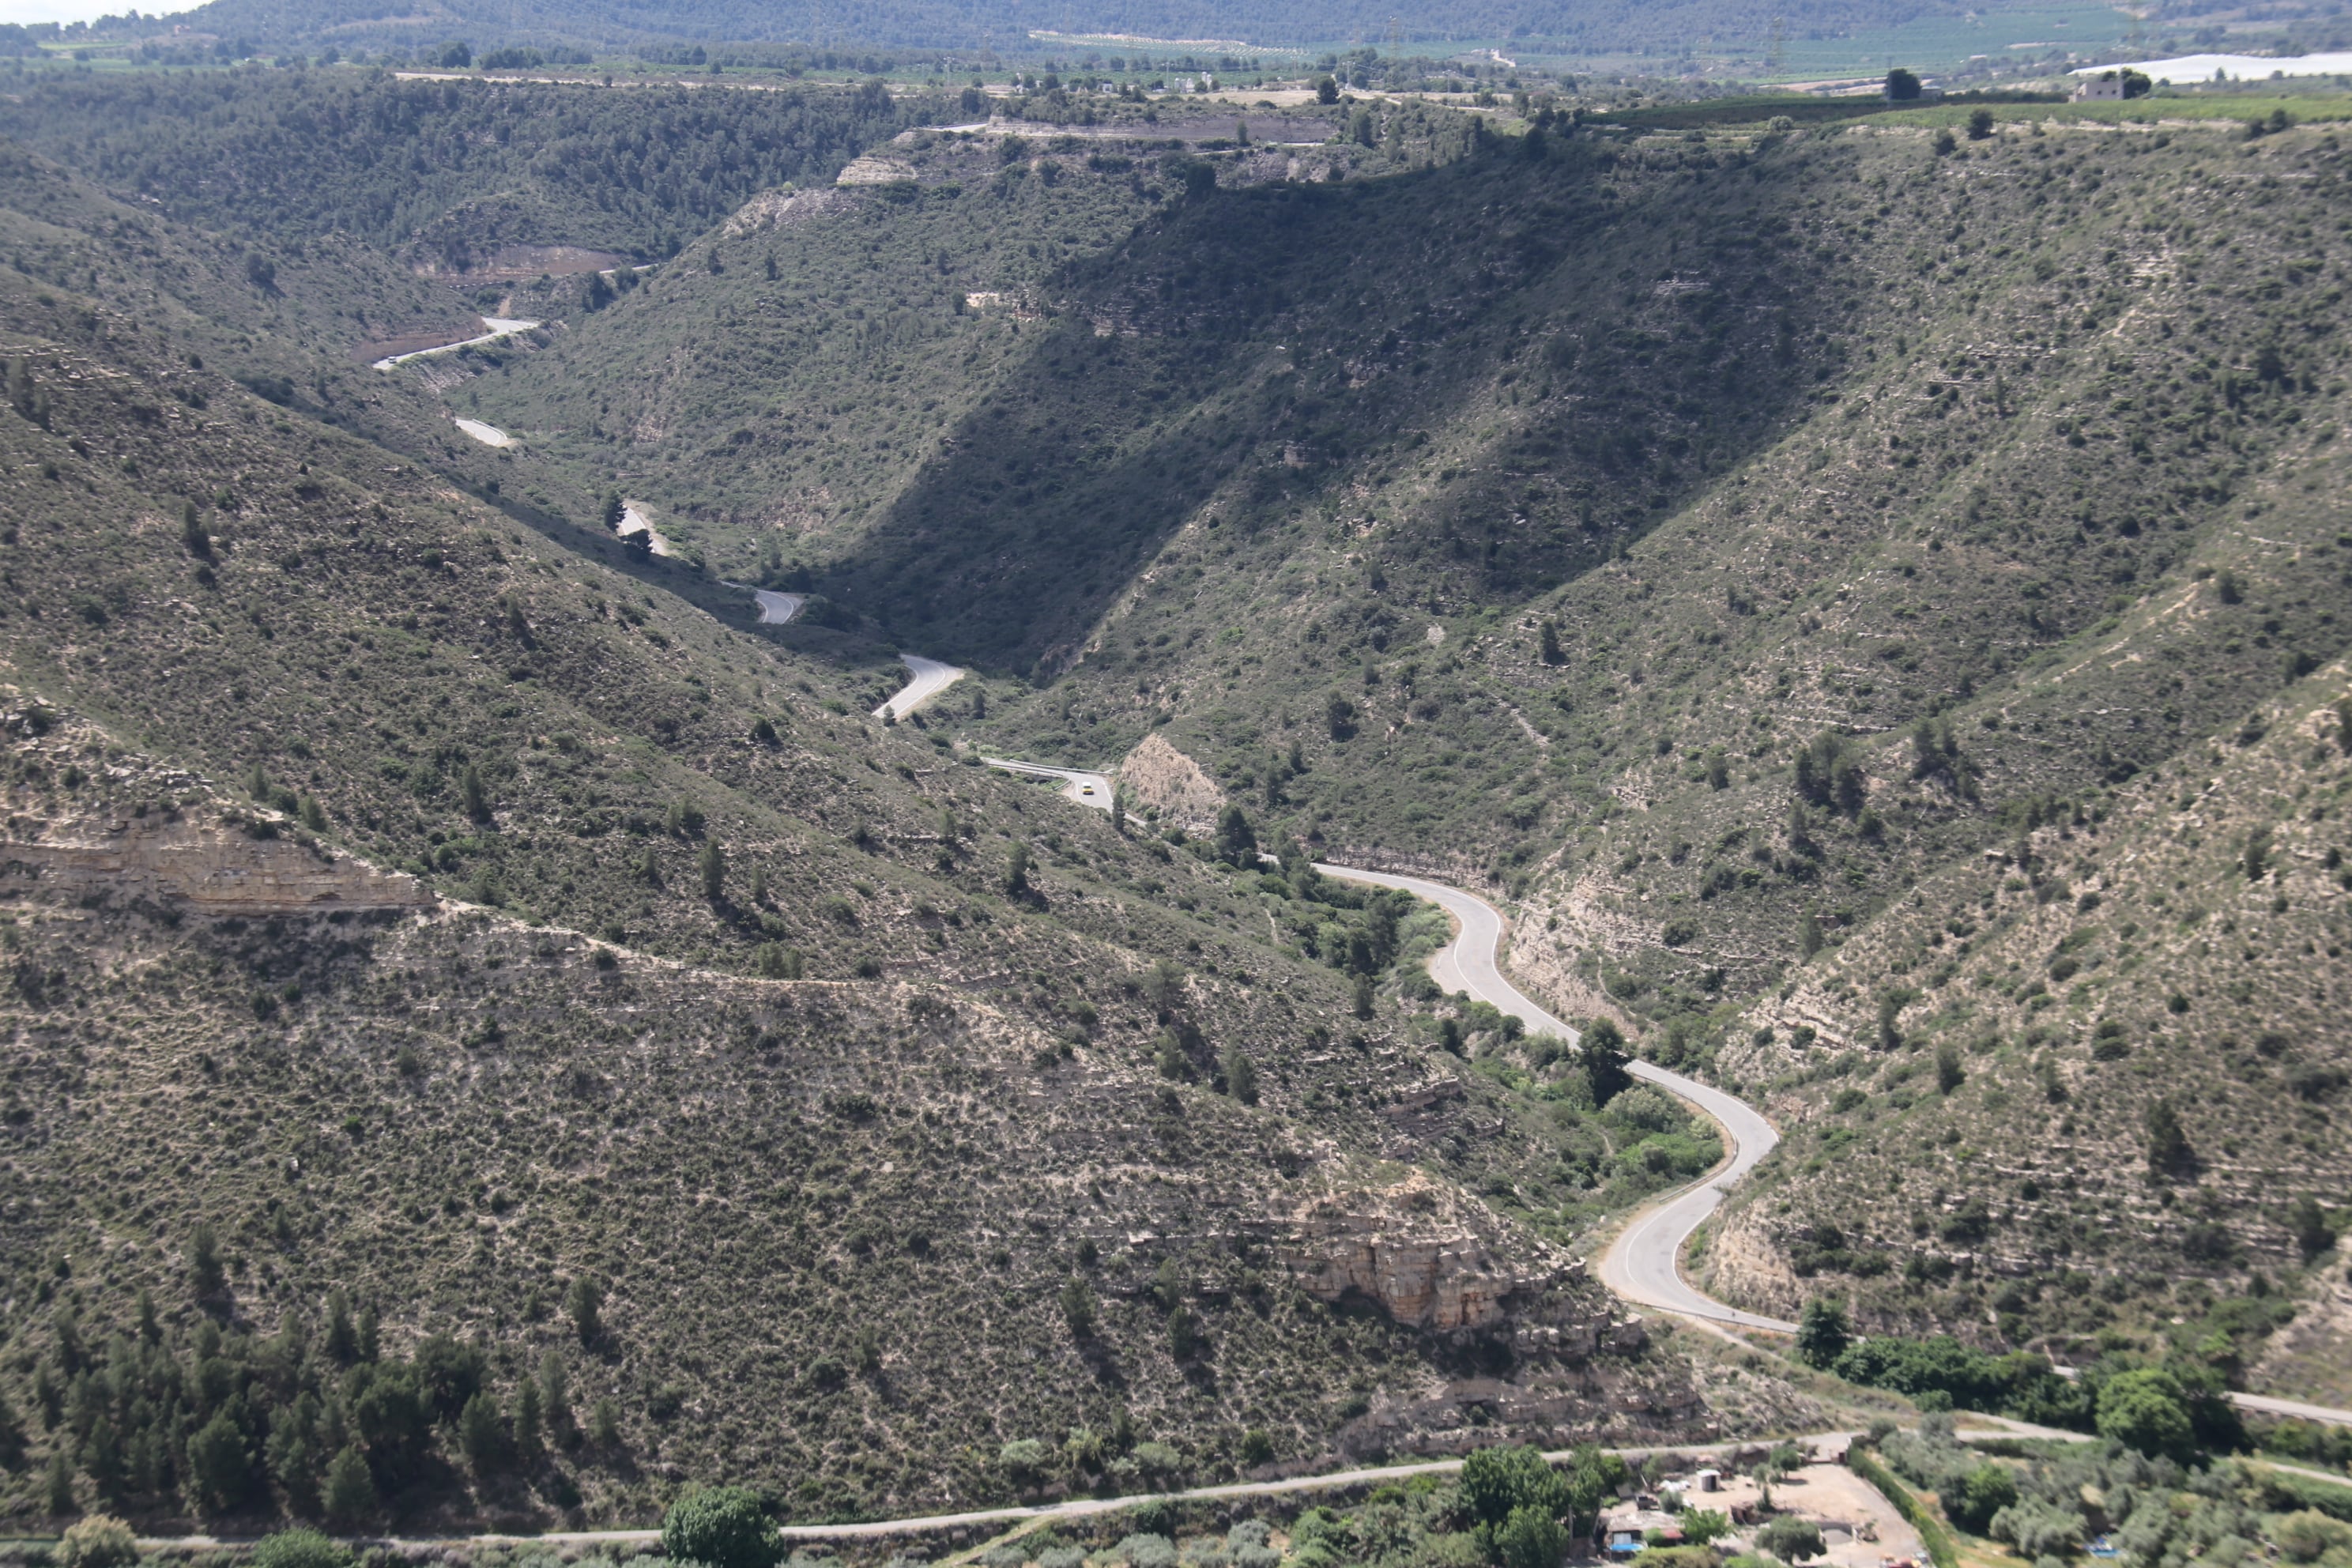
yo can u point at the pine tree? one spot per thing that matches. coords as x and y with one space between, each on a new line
471 793
342 1343
2168 1144
530 1433
192 537
101 1459
555 1392
12 1435
1603 1048
1823 1332
220 1466
350 1490
61 1488
712 863
294 1455
1240 1076
204 1271
585 1303
481 1433
25 396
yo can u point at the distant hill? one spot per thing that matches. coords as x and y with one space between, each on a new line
1601 26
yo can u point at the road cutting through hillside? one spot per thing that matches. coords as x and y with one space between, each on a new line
1642 1265
635 521
1085 789
499 327
487 435
931 679
775 609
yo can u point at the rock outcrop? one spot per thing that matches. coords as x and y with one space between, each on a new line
1398 1249
1414 1250
217 866
1164 779
1560 1361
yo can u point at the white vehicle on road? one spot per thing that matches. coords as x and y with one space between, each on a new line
1087 789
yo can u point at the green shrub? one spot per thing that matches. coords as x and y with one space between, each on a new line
1530 1538
723 1527
1146 1551
300 1548
1790 1539
2309 1535
100 1540
2148 1410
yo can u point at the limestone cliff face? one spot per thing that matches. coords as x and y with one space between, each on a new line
1417 1251
1744 1265
1398 1246
212 862
1567 1361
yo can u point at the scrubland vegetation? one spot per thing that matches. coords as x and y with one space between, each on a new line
1866 597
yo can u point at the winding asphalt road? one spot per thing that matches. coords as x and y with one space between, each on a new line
499 327
931 678
776 609
487 435
1642 1265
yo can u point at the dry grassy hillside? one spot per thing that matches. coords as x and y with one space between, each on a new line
2091 1079
496 1037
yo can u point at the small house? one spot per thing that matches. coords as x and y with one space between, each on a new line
2105 87
1625 1531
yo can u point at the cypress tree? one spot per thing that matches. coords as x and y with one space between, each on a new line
12 1435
